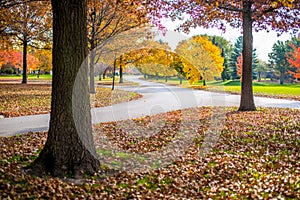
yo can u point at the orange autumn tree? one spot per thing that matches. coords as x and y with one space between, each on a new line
294 60
14 59
249 15
27 23
239 66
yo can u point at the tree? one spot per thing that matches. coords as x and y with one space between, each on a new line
278 15
151 57
10 3
254 63
261 69
294 60
237 50
204 55
29 23
227 50
11 56
239 66
69 148
278 59
107 19
45 58
14 59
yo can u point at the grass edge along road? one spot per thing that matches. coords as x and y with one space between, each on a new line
262 89
256 157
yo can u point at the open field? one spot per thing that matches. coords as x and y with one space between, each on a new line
256 156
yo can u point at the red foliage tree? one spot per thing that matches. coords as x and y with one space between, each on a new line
239 66
15 58
294 60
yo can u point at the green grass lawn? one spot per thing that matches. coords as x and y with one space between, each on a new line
265 88
30 77
270 89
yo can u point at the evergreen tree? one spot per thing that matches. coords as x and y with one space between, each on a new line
278 57
227 49
254 64
236 52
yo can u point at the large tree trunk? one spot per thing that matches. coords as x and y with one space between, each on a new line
24 80
247 100
69 148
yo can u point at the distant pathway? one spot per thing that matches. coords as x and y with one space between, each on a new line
157 98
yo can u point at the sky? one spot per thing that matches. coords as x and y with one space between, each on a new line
262 41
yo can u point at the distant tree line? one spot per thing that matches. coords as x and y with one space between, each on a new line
279 66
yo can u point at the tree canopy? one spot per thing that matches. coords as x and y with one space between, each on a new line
278 15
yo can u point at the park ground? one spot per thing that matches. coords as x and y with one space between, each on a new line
256 156
35 98
264 88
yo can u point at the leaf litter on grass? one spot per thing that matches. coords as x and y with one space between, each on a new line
32 99
256 157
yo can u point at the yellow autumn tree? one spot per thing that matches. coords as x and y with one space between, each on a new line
107 19
45 58
204 57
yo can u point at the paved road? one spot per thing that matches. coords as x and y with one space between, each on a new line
157 98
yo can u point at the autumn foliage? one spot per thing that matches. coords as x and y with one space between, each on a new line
200 58
294 60
239 66
15 59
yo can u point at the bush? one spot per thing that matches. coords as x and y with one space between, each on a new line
7 68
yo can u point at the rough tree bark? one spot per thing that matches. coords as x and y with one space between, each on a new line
69 147
247 100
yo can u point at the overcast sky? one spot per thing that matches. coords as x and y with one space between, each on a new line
262 40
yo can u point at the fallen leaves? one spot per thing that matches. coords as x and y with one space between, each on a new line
19 99
32 99
107 97
256 157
